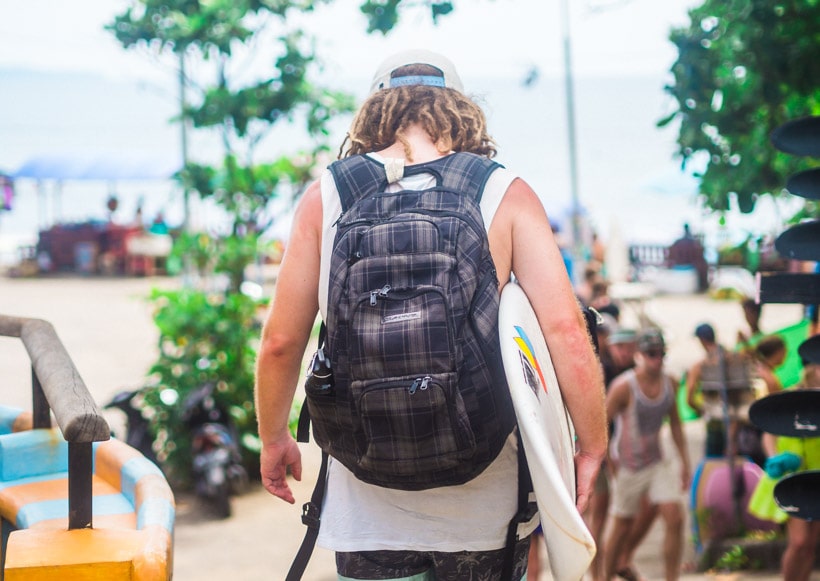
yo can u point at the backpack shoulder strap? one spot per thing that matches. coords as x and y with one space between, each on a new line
356 177
359 176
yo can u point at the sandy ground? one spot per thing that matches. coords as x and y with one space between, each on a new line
106 326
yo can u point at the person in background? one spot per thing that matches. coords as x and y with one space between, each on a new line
706 406
598 253
688 251
752 312
601 301
640 401
617 356
584 289
743 437
158 225
771 353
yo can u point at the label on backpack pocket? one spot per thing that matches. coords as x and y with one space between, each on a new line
411 425
401 317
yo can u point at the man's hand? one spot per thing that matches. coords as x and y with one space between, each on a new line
274 460
586 471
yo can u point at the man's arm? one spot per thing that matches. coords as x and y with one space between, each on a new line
539 268
284 339
617 400
679 439
692 382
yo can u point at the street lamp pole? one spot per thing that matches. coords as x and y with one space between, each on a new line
183 124
571 140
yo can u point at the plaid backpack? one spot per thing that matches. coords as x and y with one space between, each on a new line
418 397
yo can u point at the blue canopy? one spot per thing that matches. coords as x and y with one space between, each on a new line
103 167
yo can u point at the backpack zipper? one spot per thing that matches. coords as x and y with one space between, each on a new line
376 294
421 383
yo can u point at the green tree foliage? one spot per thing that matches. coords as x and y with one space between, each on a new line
383 15
744 67
208 333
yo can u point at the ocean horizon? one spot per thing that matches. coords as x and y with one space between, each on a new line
629 182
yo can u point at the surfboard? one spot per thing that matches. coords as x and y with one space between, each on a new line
805 184
547 434
797 494
794 413
798 136
800 242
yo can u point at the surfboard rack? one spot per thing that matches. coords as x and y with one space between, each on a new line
795 413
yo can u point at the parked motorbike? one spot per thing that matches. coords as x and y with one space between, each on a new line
137 434
216 460
216 468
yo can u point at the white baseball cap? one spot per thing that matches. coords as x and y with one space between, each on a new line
449 78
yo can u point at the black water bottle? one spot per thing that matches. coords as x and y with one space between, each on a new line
320 376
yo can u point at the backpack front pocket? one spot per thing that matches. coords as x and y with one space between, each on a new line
411 425
397 332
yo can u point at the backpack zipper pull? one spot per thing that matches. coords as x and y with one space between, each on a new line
425 382
375 294
415 385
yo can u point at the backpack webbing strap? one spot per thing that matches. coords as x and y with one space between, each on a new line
359 176
311 512
526 510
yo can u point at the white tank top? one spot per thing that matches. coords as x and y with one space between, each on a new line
637 442
357 516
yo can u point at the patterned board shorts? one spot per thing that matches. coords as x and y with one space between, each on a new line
430 566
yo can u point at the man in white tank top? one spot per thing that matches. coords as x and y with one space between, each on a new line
417 112
639 400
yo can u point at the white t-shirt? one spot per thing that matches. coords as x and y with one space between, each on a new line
357 516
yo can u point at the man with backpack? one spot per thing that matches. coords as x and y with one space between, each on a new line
403 246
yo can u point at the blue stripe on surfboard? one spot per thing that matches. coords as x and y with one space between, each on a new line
526 340
105 504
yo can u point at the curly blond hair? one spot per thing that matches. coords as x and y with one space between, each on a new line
451 119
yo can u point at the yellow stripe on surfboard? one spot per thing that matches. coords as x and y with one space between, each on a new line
525 346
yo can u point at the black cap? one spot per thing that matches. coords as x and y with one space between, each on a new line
705 332
651 338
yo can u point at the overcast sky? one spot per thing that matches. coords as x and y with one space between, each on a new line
608 37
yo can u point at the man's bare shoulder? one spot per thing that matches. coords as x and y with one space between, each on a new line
309 208
520 195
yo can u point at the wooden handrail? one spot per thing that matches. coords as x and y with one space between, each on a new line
58 387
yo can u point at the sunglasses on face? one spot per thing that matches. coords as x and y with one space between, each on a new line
654 353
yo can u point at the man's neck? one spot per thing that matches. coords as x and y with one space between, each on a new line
421 145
